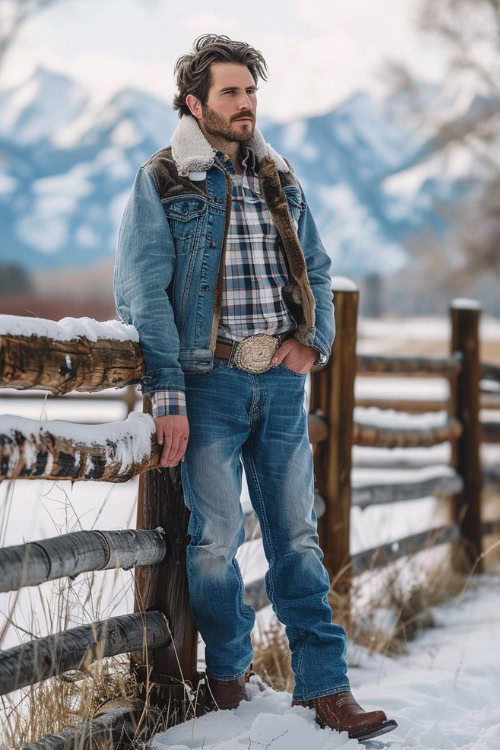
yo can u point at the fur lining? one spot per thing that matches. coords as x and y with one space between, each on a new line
193 153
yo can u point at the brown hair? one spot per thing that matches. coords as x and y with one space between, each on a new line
193 70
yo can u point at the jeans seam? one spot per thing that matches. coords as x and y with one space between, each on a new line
265 526
300 660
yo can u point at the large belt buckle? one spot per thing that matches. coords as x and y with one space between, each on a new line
254 354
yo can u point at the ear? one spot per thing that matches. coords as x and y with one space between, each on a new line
194 105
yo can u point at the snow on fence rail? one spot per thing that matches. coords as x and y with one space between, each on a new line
88 356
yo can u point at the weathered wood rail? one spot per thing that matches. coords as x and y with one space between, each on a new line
160 636
79 552
78 648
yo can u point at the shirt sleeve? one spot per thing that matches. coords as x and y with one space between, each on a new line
168 402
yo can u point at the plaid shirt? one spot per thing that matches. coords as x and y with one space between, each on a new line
255 272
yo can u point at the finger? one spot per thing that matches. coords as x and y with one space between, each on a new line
181 452
167 441
174 447
281 353
159 434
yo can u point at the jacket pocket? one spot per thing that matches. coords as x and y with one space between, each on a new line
185 215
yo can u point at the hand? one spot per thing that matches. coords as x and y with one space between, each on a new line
172 431
296 356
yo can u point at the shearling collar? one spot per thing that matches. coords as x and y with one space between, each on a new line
193 153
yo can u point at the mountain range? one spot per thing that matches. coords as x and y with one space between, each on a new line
67 164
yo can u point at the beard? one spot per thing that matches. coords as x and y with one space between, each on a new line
219 128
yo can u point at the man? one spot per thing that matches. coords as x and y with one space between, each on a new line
221 269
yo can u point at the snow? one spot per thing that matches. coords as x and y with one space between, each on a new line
353 233
343 284
67 329
55 199
465 302
455 161
441 693
40 105
127 442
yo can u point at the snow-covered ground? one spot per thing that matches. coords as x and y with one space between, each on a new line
444 693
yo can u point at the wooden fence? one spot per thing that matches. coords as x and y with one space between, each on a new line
160 635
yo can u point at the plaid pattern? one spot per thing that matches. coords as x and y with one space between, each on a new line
255 272
255 269
168 402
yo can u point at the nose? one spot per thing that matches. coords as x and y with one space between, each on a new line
245 103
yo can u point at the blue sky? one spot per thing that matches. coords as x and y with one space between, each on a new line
318 51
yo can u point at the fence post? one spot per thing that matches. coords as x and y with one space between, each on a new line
332 393
464 405
164 587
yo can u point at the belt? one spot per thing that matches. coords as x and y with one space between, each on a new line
252 354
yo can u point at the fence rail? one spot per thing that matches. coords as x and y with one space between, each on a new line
78 648
79 552
160 635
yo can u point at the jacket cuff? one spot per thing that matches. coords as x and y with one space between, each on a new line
164 379
323 346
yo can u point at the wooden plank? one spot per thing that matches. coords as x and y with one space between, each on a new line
492 526
33 449
489 371
332 394
78 552
409 405
491 477
490 432
164 587
79 647
464 406
61 366
379 557
119 725
377 494
375 435
410 365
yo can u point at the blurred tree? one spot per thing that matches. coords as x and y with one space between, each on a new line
15 13
14 279
468 32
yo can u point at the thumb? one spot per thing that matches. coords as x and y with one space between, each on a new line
281 352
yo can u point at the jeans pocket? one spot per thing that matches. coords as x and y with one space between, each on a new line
297 374
218 364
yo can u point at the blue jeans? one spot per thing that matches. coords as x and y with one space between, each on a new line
259 420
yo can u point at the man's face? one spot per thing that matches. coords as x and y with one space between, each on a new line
231 106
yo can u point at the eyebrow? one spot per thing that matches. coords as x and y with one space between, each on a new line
237 88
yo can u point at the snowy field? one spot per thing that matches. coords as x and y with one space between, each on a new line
444 694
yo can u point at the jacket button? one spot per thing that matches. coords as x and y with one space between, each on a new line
213 244
205 287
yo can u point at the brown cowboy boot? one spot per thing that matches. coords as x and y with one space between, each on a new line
342 712
228 693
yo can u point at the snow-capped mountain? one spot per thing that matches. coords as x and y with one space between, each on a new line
67 166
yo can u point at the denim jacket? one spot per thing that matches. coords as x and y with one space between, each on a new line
168 277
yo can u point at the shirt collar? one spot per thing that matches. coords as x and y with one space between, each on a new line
248 158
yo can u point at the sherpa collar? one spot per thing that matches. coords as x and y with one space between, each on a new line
193 153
